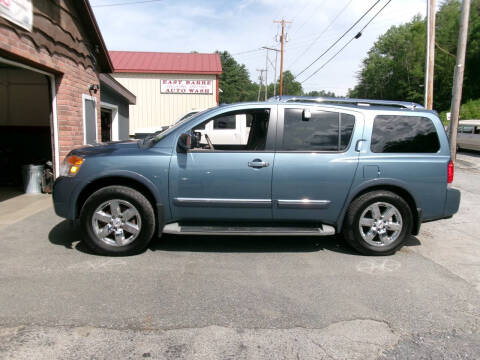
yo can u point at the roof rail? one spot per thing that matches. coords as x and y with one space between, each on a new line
352 101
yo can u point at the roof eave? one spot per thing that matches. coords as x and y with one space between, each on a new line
108 81
105 62
167 72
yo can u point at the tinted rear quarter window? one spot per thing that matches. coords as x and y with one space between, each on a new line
324 131
404 134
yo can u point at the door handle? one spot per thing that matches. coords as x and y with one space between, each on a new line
257 163
358 145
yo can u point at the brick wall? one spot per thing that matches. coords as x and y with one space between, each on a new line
57 44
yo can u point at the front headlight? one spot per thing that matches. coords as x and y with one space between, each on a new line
71 165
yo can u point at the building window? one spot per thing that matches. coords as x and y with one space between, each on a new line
89 119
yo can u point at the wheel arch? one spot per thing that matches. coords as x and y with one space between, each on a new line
143 187
396 189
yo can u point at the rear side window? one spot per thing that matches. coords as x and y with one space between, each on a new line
324 131
467 129
404 134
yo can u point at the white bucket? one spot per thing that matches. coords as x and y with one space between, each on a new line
32 178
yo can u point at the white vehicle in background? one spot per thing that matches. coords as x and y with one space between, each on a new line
231 129
469 135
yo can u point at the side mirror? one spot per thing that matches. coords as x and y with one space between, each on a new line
184 143
197 138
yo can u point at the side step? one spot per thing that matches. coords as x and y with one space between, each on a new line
176 228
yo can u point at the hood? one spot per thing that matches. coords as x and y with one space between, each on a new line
110 148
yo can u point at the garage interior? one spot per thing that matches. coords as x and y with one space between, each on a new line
25 133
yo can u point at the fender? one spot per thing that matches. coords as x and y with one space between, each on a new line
127 174
372 183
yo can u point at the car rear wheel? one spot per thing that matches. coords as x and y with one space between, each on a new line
378 223
117 220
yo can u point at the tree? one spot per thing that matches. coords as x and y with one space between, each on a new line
234 81
290 85
236 86
321 93
395 66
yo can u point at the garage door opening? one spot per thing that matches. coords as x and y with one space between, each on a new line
25 125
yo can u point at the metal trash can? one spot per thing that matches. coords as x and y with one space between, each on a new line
32 178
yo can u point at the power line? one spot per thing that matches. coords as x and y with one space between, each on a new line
338 40
297 29
322 33
344 46
248 51
126 3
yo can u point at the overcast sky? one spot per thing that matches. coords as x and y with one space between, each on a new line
243 26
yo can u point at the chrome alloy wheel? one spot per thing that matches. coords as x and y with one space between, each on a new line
380 224
116 222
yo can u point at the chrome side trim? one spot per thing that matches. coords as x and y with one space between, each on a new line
219 202
303 204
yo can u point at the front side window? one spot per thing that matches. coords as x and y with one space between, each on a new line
404 134
248 131
322 131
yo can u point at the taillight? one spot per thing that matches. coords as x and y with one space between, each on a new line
450 171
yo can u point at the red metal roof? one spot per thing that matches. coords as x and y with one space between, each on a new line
165 63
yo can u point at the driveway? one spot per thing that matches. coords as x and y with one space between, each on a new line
240 298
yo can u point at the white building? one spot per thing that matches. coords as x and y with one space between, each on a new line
167 85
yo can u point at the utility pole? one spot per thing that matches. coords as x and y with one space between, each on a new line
430 59
275 75
274 67
282 41
458 77
266 74
260 77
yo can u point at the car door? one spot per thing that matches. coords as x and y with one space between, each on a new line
315 162
231 183
476 138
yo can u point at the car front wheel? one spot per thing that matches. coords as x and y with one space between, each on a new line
117 220
378 223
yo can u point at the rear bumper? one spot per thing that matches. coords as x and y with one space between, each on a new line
452 202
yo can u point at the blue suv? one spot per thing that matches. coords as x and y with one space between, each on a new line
368 169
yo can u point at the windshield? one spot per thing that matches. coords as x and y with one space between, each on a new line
175 126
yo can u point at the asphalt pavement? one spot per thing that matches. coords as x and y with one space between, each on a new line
204 297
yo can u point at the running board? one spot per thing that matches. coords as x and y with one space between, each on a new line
176 228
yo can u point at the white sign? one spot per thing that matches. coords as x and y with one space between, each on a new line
18 11
172 86
449 116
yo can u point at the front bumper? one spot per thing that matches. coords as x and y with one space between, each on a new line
63 197
452 202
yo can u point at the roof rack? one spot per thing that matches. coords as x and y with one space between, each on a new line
351 101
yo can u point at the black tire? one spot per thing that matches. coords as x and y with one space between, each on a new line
142 205
351 230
